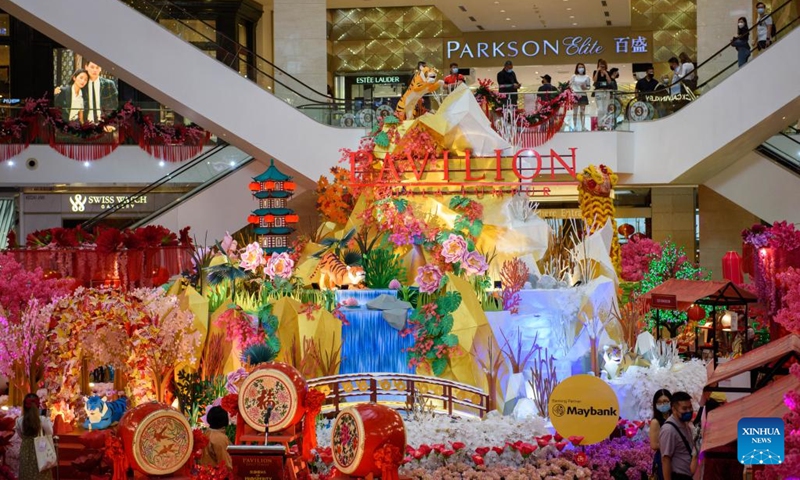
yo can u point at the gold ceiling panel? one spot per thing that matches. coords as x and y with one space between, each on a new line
384 39
673 23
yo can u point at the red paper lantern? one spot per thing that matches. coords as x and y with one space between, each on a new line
293 218
626 230
255 186
696 313
732 267
270 185
269 218
289 186
252 218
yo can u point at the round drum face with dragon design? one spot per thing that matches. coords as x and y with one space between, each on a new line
280 384
162 440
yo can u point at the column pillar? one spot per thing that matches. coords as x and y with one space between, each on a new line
300 46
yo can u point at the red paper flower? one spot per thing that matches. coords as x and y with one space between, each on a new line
558 437
482 451
447 453
581 459
498 450
478 459
458 445
425 449
230 403
575 439
560 445
631 432
542 442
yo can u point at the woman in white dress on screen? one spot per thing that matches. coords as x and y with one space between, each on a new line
70 98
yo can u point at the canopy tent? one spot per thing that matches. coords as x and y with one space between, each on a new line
689 292
720 426
769 360
713 294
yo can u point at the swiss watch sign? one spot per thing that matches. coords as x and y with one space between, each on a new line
584 405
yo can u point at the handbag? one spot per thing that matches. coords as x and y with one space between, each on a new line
45 451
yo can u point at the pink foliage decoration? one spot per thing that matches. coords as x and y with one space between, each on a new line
18 286
789 317
636 257
22 345
240 329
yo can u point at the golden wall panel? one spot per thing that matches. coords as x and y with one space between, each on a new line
673 23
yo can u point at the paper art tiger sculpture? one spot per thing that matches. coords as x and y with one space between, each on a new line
426 81
101 414
333 273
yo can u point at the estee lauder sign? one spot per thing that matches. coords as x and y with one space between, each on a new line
550 47
527 171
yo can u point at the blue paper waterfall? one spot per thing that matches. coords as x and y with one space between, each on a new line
369 343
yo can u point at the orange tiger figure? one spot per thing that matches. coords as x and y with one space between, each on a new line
333 273
423 82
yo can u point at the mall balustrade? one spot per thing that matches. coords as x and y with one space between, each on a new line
621 108
784 149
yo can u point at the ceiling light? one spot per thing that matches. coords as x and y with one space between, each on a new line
575 24
161 163
513 26
502 11
572 16
86 164
11 163
569 8
497 3
508 19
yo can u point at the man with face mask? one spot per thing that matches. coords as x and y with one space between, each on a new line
763 26
676 440
647 84
547 92
454 78
507 81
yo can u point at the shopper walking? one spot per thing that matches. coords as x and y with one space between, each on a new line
740 41
29 426
580 84
764 26
676 441
661 412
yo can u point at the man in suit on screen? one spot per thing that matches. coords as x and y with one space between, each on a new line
100 94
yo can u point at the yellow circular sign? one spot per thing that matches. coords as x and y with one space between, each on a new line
584 406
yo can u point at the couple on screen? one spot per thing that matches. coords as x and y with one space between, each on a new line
88 96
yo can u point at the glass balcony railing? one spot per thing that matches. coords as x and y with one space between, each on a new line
620 109
192 178
784 149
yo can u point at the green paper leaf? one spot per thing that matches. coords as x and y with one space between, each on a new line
450 340
382 139
438 366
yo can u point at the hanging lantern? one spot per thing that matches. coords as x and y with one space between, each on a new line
269 185
289 186
732 267
626 230
696 313
255 186
252 218
269 218
292 218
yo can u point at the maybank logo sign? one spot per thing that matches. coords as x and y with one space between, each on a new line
584 406
760 441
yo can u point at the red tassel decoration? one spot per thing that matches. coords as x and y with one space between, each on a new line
85 152
10 150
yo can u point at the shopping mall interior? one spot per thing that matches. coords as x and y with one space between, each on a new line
399 239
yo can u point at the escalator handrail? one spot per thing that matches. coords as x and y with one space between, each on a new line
191 193
88 224
240 47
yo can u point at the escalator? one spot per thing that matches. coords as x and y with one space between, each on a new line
236 109
724 120
223 169
766 182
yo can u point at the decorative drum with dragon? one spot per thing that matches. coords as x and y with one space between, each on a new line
157 439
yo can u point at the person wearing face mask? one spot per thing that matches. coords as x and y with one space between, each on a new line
580 84
764 25
661 411
647 84
601 79
676 440
507 82
452 80
740 41
547 92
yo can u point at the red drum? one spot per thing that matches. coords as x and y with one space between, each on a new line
359 431
280 384
157 439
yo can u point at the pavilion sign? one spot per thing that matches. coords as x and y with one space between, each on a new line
527 171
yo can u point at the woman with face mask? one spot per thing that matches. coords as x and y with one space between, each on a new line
580 84
601 79
661 411
740 41
452 80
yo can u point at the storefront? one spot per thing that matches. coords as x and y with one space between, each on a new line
39 210
370 95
